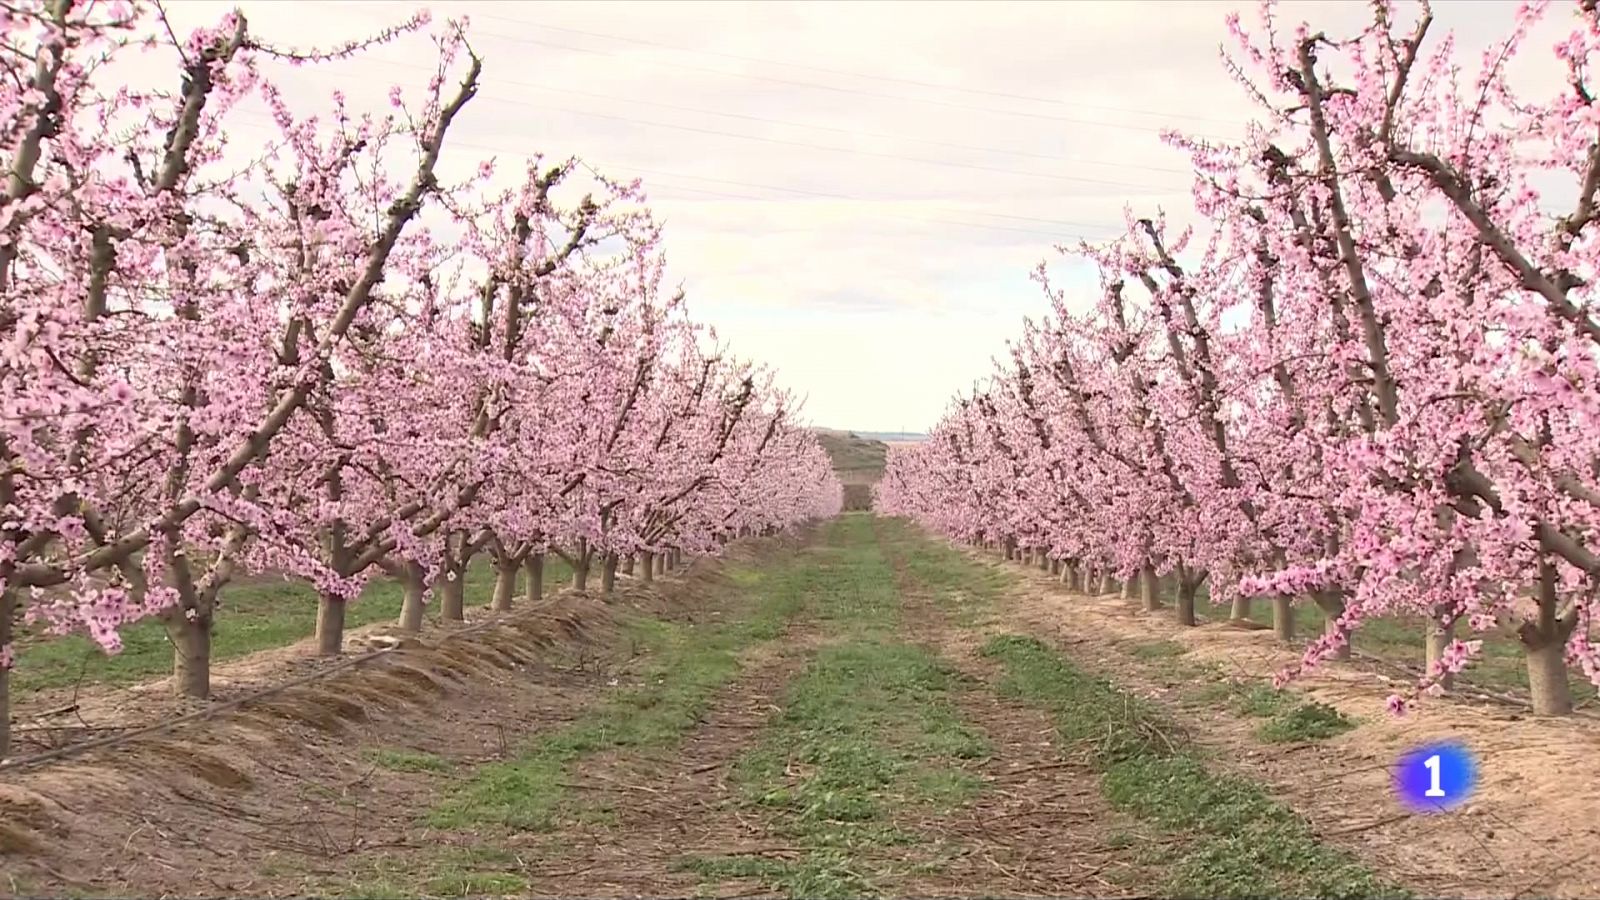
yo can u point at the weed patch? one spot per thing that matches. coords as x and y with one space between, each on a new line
402 760
687 664
1306 722
1236 841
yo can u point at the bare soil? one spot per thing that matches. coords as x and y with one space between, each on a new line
281 795
1527 831
1041 827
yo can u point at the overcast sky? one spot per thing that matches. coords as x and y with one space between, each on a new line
855 193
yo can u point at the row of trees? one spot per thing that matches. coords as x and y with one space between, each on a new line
325 357
1372 385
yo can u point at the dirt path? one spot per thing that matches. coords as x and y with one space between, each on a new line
1042 827
817 717
1517 838
656 809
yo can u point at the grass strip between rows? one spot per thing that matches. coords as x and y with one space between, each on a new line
1236 840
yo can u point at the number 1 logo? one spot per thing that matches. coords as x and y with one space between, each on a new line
1435 778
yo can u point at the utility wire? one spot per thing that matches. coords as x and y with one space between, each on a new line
849 74
844 90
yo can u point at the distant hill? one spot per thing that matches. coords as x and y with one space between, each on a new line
893 437
858 460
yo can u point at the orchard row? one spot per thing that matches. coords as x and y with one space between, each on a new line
1370 385
338 354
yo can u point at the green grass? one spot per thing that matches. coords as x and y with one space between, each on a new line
1500 667
399 759
964 591
1235 840
256 614
687 664
868 730
457 872
1306 722
1153 650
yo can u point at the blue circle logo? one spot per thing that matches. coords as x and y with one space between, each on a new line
1435 777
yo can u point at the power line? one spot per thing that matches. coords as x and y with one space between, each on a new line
263 123
849 74
844 90
923 220
850 150
851 198
837 130
848 131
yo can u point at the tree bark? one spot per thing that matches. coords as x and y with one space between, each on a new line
1241 609
1547 679
647 566
1331 602
1150 589
1545 643
8 614
1044 561
1282 617
627 564
452 595
505 582
1130 586
1331 626
1010 549
330 625
661 563
191 652
608 574
412 606
580 568
534 566
1435 640
1187 589
1055 567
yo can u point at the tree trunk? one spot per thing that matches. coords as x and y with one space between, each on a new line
1129 586
580 571
452 588
8 614
1150 588
608 574
330 625
411 603
1011 549
661 563
1055 567
1187 589
647 566
627 564
1282 617
534 568
1330 627
1331 602
1241 609
1435 640
1073 576
1044 561
191 652
1545 643
505 582
1547 679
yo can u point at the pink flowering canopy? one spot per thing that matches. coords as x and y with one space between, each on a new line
1374 380
325 358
